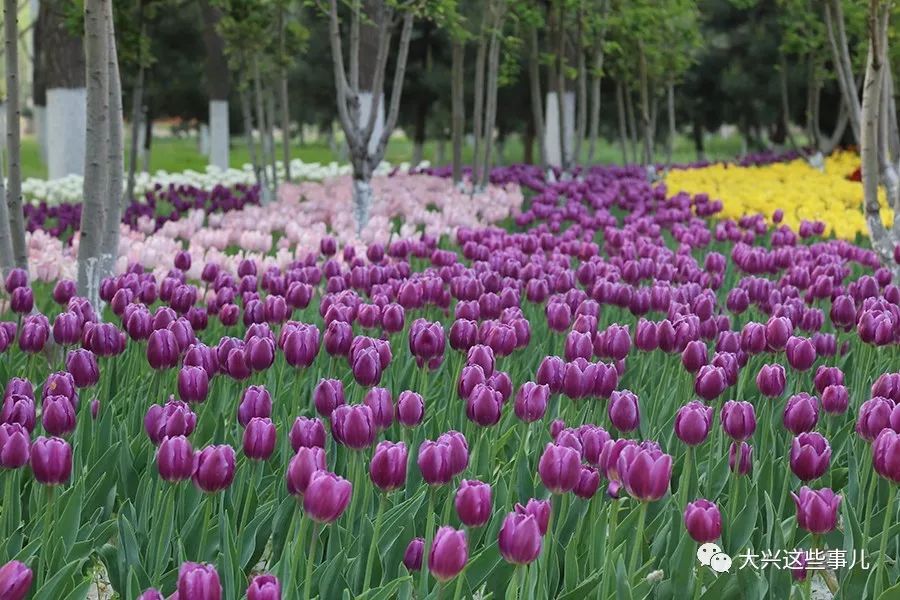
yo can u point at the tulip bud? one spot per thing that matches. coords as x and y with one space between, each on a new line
214 469
193 384
151 594
15 580
379 400
771 380
435 462
82 364
531 401
255 402
307 433
520 539
559 468
326 496
817 510
694 356
703 521
410 408
21 300
387 469
710 382
885 450
740 458
175 459
801 353
58 415
473 503
259 438
459 451
623 411
738 420
827 376
162 349
198 582
693 422
353 426
328 395
810 456
412 556
67 328
801 413
51 460
588 482
15 446
449 553
484 406
645 473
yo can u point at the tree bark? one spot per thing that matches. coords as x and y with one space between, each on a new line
582 116
645 106
478 97
96 174
38 80
623 125
109 247
837 37
137 112
270 133
265 149
13 138
247 115
596 78
218 86
561 84
785 101
492 85
537 103
632 124
458 106
283 96
670 106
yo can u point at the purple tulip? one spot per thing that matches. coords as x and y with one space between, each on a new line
60 384
300 344
559 468
484 406
703 521
15 580
259 438
482 356
328 395
387 469
801 353
740 458
778 331
645 473
710 382
588 483
531 401
473 502
693 422
835 399
459 451
449 553
214 468
307 433
771 380
435 462
885 453
353 426
300 469
410 408
817 510
21 300
193 384
63 291
801 413
198 582
826 376
82 364
694 356
326 496
175 418
412 556
67 328
623 411
151 594
51 460
175 459
810 456
738 420
18 408
520 540
162 349
874 415
15 446
264 587
58 415
539 509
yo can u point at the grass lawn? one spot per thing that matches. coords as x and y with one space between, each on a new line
179 154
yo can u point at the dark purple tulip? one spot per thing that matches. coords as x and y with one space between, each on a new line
703 521
51 460
463 334
520 540
193 384
745 464
588 483
551 372
19 409
379 400
710 382
175 459
693 422
800 352
410 408
58 415
255 402
835 399
393 317
459 450
151 594
801 413
214 468
738 420
469 377
353 426
817 510
366 367
559 316
623 410
259 438
307 433
826 376
264 587
19 386
694 356
338 337
449 553
63 291
810 456
645 473
21 300
228 314
328 395
753 338
559 468
15 580
778 331
162 349
387 469
473 502
412 556
198 582
259 352
771 380
435 462
484 406
175 418
482 356
300 345
326 496
67 328
886 455
300 469
426 341
531 401
35 332
15 446
182 260
578 345
874 415
82 364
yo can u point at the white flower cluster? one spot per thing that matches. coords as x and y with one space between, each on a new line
69 189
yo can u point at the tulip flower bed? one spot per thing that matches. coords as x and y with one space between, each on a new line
565 408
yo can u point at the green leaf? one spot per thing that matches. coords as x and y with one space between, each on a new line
70 520
570 575
623 586
892 593
53 588
745 524
161 537
584 589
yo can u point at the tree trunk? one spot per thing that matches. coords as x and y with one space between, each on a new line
843 119
813 91
283 97
137 112
217 86
581 121
785 101
247 114
670 106
478 101
528 143
13 139
537 108
623 125
265 149
419 132
64 67
39 81
458 106
595 102
837 37
148 137
632 124
109 247
270 133
561 85
96 174
697 131
645 106
491 99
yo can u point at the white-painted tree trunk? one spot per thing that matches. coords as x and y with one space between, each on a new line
366 99
362 202
40 130
551 127
218 133
66 123
203 139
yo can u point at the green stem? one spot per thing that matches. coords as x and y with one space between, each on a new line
872 483
45 532
610 546
429 535
685 490
207 509
698 583
521 571
888 513
638 540
457 591
300 539
310 561
382 503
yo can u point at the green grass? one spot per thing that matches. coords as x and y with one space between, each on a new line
179 154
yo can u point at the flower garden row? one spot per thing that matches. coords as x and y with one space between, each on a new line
565 408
